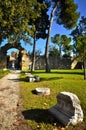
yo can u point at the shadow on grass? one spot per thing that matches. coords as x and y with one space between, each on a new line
44 116
39 116
25 79
20 79
41 79
51 78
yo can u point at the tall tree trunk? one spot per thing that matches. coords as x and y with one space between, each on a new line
84 68
60 50
33 55
48 40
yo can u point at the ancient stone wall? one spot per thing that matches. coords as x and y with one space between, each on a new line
26 62
25 59
55 63
58 63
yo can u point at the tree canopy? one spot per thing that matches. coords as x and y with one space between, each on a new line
80 30
63 43
16 17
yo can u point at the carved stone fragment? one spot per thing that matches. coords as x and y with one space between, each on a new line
67 110
43 91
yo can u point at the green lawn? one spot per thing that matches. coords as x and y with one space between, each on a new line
3 73
36 107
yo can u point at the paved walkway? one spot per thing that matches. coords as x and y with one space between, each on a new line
9 97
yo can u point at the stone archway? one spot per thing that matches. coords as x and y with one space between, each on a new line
14 59
24 62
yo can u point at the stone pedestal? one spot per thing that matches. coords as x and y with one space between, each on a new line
67 110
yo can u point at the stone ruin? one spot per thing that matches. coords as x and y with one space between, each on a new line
42 91
26 62
67 110
33 78
18 61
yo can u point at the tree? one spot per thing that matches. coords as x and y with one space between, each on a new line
21 19
81 50
40 25
65 14
67 47
57 39
67 50
78 31
79 37
53 51
15 18
8 18
63 43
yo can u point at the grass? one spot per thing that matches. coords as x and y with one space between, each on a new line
36 107
3 73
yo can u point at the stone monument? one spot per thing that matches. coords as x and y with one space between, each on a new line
67 110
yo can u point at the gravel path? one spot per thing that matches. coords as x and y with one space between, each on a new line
10 114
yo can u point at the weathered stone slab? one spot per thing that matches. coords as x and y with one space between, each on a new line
67 110
33 78
43 91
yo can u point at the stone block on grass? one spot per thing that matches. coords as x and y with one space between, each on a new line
33 78
67 110
42 91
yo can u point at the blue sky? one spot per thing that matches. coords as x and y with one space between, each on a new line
40 45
